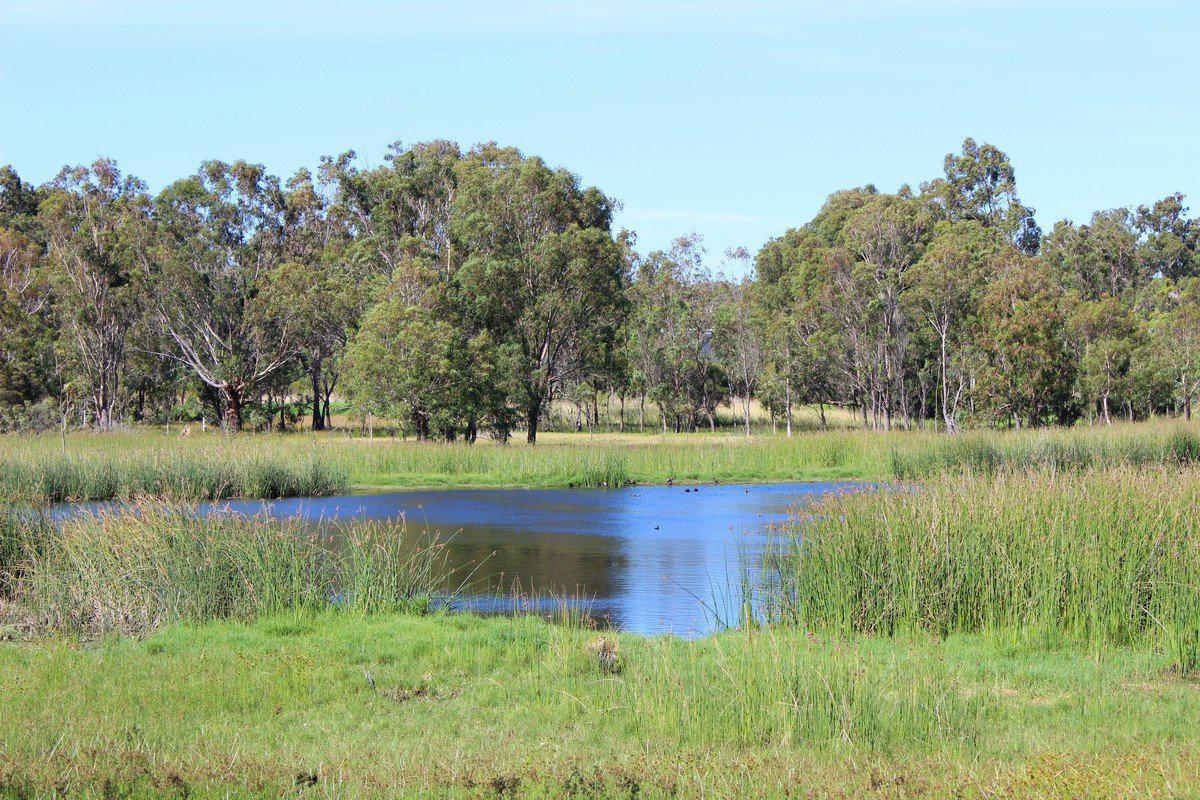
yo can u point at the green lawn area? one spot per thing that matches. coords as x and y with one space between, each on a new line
345 705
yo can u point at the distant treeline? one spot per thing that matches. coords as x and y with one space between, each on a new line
463 292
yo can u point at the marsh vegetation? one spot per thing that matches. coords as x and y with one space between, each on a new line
1021 623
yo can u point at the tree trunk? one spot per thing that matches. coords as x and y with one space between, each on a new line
787 404
318 418
233 407
533 417
746 411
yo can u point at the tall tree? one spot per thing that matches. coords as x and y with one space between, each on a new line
224 232
97 223
1100 259
740 342
1107 336
1172 241
537 265
980 184
883 240
1027 370
946 285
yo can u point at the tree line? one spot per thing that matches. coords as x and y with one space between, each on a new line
462 292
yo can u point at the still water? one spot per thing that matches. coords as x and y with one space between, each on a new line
649 559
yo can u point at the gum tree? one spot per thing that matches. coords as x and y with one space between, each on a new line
222 233
537 266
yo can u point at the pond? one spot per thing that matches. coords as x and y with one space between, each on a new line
648 559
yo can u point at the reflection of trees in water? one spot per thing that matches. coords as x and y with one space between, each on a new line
500 561
543 573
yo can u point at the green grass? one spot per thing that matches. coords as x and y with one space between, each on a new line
1129 445
148 462
1021 635
1110 555
34 473
402 706
132 571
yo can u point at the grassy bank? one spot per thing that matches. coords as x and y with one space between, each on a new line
400 706
212 466
1102 556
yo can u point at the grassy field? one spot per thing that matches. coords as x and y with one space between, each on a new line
213 466
1017 635
401 706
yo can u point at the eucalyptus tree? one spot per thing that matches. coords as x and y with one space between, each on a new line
1171 247
1177 337
883 240
980 184
98 228
1107 336
26 326
1100 259
223 234
739 341
674 320
398 211
944 294
1027 371
537 266
802 345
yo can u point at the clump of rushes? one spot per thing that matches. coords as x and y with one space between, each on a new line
193 475
131 571
1125 446
1103 556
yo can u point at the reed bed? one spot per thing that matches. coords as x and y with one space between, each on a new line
197 475
1101 556
1139 445
207 466
214 466
132 570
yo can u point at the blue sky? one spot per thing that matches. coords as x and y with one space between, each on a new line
731 119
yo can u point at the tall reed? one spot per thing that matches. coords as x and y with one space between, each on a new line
132 570
184 475
1109 555
1077 448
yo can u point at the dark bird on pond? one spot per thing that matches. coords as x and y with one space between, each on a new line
655 527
